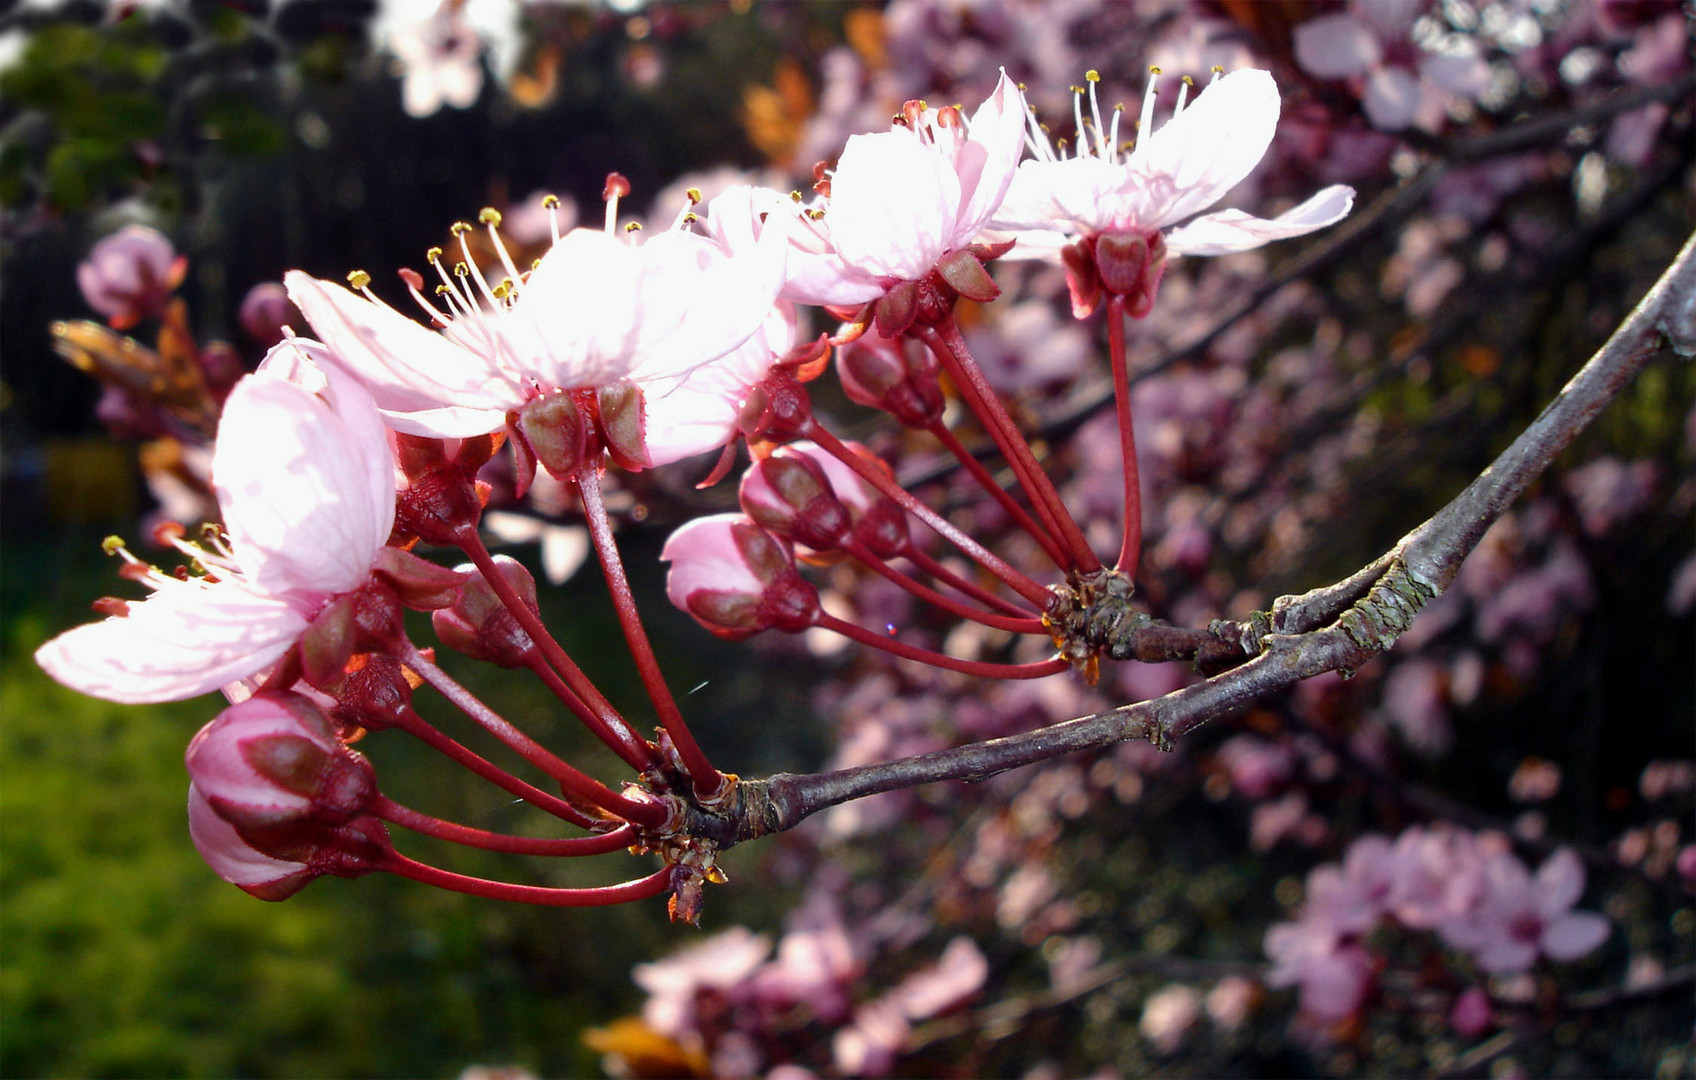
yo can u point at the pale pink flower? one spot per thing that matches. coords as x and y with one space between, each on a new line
696 412
1164 183
600 307
440 61
899 200
719 963
305 481
736 578
129 275
1169 1015
1333 975
1522 917
1400 85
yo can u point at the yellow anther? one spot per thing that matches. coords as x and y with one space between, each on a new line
923 105
359 279
459 228
1021 87
816 215
1075 88
1092 75
441 290
535 264
503 290
794 196
461 270
112 544
1119 107
1217 69
489 216
690 218
1188 81
1153 69
694 195
634 226
433 256
550 202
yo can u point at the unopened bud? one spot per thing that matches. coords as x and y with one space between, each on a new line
890 375
345 851
273 767
480 626
736 578
790 495
375 694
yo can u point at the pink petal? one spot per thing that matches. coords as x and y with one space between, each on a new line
697 412
185 640
1574 934
1227 231
893 206
407 368
307 498
1336 47
1559 884
1391 99
229 856
1465 75
998 127
1211 146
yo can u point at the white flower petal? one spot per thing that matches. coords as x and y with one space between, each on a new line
406 367
893 205
998 128
185 640
307 497
1209 148
1229 231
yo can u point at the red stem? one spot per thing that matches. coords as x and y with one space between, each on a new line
599 717
421 729
573 782
639 889
405 816
957 360
1130 549
1015 580
709 783
972 465
1018 625
980 668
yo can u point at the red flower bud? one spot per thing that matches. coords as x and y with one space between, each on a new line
737 579
480 626
897 377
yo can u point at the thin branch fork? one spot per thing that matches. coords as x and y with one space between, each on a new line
1335 628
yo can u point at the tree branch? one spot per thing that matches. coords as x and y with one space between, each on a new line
1334 628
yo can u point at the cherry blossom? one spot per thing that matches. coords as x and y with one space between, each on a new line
305 483
440 61
898 200
1171 175
1401 86
128 275
1522 917
599 308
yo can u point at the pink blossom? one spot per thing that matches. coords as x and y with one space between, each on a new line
1165 182
1471 1015
440 58
899 200
1522 917
1400 85
128 276
696 411
305 481
1333 976
717 964
265 311
599 308
1169 1015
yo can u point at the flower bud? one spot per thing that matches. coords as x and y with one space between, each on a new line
265 311
273 767
892 376
345 851
790 495
879 523
376 693
736 578
128 276
480 626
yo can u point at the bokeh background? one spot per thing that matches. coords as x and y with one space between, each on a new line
1355 394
